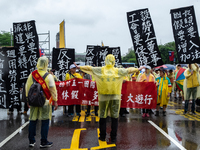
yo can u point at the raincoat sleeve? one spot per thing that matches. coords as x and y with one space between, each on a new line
52 87
132 70
87 69
187 73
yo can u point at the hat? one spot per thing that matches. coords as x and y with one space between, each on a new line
148 67
162 69
72 66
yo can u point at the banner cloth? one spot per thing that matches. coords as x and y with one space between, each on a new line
84 92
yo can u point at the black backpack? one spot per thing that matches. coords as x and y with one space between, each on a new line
36 96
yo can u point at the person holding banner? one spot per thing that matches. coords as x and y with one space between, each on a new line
163 91
41 113
192 82
146 77
70 75
109 84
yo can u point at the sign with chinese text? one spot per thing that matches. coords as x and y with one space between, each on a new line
84 92
91 55
186 35
62 58
104 51
9 87
27 45
143 38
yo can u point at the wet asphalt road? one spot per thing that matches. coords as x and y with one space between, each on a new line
134 132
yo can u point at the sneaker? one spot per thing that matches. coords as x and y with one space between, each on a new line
78 114
183 102
193 113
102 139
32 144
144 114
46 144
185 112
87 114
147 114
53 115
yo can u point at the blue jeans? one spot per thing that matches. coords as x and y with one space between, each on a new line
192 107
44 131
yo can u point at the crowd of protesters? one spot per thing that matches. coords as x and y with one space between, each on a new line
109 93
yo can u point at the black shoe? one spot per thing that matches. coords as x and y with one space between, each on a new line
102 139
185 112
122 115
87 114
126 112
31 144
193 113
46 144
113 141
164 113
157 113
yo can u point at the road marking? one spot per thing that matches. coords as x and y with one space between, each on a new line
102 144
97 118
75 118
89 118
75 140
13 134
166 135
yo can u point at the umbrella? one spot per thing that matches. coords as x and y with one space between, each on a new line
167 67
170 67
179 77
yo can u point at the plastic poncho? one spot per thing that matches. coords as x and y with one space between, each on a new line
185 82
163 90
70 76
42 113
146 78
109 83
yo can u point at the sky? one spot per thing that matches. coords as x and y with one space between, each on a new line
89 22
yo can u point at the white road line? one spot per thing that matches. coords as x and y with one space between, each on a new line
167 136
13 134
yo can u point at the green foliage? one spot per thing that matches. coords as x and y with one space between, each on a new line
130 57
5 39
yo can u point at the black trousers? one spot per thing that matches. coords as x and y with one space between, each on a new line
71 108
114 127
95 109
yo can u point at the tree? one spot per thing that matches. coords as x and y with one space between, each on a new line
130 57
5 39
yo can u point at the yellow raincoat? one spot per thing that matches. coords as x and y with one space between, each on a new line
163 90
144 77
109 83
68 76
45 112
187 75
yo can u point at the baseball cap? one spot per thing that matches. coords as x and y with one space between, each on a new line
72 66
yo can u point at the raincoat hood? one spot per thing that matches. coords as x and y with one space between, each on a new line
110 60
42 63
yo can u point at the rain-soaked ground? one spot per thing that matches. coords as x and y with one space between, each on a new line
173 132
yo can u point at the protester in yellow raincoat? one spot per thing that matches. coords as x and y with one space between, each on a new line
109 83
171 78
70 75
191 82
41 113
146 77
163 92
